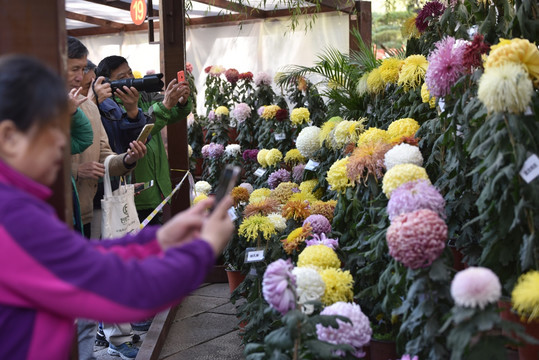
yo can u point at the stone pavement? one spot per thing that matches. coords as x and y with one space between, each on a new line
205 327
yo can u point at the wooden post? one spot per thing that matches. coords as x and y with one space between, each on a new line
361 19
172 47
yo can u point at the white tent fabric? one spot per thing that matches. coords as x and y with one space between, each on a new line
255 46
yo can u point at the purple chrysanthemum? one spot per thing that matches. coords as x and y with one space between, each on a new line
262 78
277 177
279 286
407 357
297 172
415 195
357 333
260 110
211 116
445 66
432 9
250 155
323 240
319 223
212 150
241 112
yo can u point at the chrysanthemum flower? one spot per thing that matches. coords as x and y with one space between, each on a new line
297 172
239 194
336 176
408 357
322 239
217 70
403 154
278 221
213 151
309 287
525 295
270 111
297 210
199 198
281 115
339 283
189 150
264 207
357 333
475 287
247 186
319 223
293 156
375 83
221 110
326 208
302 83
389 70
320 257
398 129
409 30
506 88
445 66
296 238
262 78
256 226
303 196
232 75
431 11
413 72
400 174
361 87
233 150
325 132
415 195
246 76
517 51
273 157
416 239
261 157
346 132
307 187
259 195
283 191
307 141
471 58
426 98
277 177
299 116
241 112
202 187
250 155
279 286
367 159
373 135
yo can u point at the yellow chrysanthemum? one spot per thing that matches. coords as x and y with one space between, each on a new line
525 295
336 176
398 129
261 157
254 226
297 210
425 96
189 150
221 110
304 197
361 87
283 191
273 157
259 195
339 285
413 72
373 134
400 174
389 70
375 84
517 51
300 115
346 132
502 42
270 111
326 130
199 198
326 208
239 194
137 74
409 30
319 257
296 238
293 157
308 186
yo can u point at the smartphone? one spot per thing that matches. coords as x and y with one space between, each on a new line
229 179
181 76
144 186
145 132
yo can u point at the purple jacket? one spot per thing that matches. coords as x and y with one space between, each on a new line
50 275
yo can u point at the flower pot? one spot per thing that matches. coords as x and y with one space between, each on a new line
232 135
381 350
198 168
235 278
529 351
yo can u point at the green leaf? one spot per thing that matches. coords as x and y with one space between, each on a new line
279 339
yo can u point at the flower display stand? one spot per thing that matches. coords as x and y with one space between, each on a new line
235 278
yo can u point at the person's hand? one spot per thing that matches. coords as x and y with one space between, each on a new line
91 170
73 100
100 90
129 97
183 227
176 92
217 229
137 150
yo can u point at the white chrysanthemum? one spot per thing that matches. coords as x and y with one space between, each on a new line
403 154
341 134
505 88
189 150
475 287
361 87
247 186
307 142
278 221
202 187
309 287
190 120
232 150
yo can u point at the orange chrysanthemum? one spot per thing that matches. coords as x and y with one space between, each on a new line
264 207
325 208
239 194
296 238
298 210
367 159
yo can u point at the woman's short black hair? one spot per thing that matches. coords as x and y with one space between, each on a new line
30 92
108 65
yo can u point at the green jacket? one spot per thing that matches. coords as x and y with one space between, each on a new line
154 166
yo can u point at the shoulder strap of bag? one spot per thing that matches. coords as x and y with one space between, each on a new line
106 178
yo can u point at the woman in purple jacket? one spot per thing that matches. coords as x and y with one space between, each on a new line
50 275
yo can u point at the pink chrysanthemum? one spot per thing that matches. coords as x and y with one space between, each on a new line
189 67
297 172
241 112
431 10
319 223
445 66
415 195
475 287
279 286
277 177
232 75
322 239
262 78
212 150
416 239
356 334
407 357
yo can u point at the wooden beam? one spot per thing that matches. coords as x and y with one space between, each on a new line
361 20
108 30
259 13
93 20
346 6
118 5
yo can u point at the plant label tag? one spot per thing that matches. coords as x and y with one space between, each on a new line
530 169
252 271
254 255
369 109
441 105
259 172
528 111
232 213
311 165
280 136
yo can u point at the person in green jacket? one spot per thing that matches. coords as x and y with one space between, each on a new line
165 109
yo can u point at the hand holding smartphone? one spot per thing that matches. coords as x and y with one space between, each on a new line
229 179
145 132
181 76
143 186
